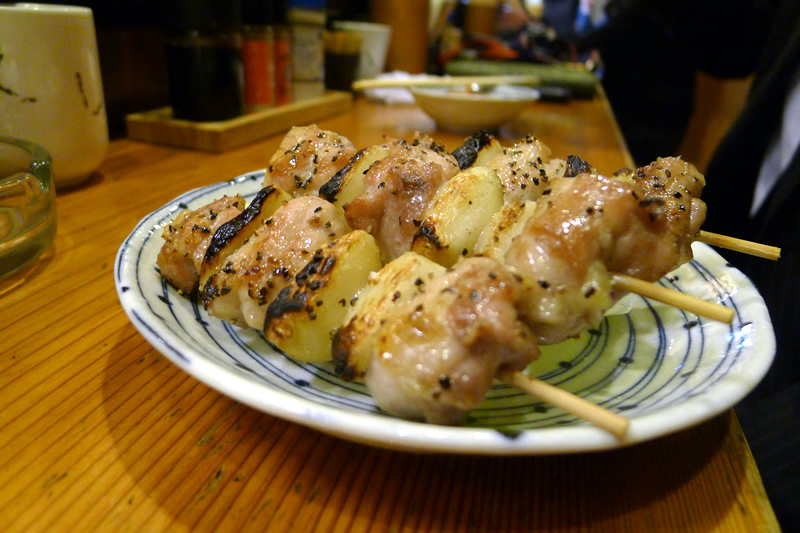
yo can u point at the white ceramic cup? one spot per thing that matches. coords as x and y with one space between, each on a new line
374 45
51 92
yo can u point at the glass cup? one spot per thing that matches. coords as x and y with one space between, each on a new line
27 204
375 39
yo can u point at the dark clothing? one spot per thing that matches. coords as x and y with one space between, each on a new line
560 15
649 81
770 416
772 429
728 39
731 177
651 50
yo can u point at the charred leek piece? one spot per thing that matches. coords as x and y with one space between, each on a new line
349 182
302 318
397 282
457 215
230 236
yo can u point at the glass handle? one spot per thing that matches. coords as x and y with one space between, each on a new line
19 190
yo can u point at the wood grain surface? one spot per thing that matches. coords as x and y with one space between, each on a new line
99 432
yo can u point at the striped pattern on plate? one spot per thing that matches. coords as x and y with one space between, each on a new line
657 365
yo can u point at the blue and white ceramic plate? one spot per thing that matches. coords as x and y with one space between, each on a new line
662 368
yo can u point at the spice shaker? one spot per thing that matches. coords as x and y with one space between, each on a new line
258 42
282 58
204 59
307 23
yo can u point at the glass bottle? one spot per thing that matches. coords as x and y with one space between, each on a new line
204 59
282 58
307 24
258 59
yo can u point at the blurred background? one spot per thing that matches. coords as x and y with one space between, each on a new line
434 36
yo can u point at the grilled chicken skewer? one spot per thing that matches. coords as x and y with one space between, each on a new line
482 148
470 290
431 351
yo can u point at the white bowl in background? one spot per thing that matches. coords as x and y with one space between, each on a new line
458 110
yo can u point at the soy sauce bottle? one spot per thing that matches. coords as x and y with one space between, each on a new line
204 59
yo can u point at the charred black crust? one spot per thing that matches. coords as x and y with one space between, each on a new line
319 265
647 202
327 265
339 354
428 232
286 302
575 166
294 299
228 231
467 153
331 188
209 291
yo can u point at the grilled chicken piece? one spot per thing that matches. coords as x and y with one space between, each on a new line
307 158
582 229
187 238
436 354
256 272
397 190
677 185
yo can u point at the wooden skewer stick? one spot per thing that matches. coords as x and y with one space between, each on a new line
677 299
445 81
583 409
740 245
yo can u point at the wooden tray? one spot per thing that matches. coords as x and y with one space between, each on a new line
158 126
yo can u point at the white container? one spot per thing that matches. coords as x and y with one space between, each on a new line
52 89
307 28
374 45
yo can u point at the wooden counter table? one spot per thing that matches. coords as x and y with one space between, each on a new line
99 431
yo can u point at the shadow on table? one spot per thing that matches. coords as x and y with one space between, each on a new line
199 459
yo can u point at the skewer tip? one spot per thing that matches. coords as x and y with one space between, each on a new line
601 417
764 251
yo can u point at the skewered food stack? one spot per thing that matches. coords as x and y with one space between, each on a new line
428 273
